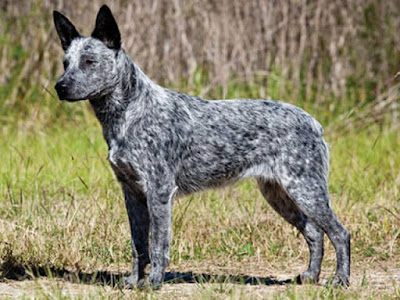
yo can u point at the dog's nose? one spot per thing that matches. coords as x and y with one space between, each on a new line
61 88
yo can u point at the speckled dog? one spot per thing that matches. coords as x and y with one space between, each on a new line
164 144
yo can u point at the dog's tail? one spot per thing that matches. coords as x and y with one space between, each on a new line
325 157
324 147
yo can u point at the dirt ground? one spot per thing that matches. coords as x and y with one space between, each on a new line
366 280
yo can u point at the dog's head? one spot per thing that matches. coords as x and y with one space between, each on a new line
90 63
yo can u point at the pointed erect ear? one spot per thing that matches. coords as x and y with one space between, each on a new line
107 29
66 31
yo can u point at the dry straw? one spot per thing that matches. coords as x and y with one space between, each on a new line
317 48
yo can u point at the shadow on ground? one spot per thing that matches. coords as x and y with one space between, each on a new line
18 272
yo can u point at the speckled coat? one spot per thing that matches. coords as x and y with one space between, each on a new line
163 144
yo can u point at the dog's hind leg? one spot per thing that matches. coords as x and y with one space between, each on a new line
310 194
136 207
314 236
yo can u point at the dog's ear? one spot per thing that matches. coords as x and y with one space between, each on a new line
66 31
106 29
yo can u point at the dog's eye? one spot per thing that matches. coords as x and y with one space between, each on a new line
90 62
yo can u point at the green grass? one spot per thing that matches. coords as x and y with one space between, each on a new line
60 206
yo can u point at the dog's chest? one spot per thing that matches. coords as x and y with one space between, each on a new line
121 165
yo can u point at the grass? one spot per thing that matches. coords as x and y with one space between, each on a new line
61 208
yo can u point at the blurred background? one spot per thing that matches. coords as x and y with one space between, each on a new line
330 57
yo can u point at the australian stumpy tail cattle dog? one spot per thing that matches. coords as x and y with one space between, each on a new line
163 144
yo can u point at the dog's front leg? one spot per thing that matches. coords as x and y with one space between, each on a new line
136 206
159 201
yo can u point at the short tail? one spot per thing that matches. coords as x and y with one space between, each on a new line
325 157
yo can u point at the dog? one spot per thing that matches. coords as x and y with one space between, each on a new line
163 144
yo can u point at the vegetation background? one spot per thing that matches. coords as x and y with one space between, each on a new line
62 214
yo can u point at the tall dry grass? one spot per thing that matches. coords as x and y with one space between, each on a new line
338 53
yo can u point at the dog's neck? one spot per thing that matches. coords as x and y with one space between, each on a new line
111 108
129 94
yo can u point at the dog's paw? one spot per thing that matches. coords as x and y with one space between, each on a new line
156 280
129 282
337 281
307 278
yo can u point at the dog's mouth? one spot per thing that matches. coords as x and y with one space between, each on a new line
68 98
73 99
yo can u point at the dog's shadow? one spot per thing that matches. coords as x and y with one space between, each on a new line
106 278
